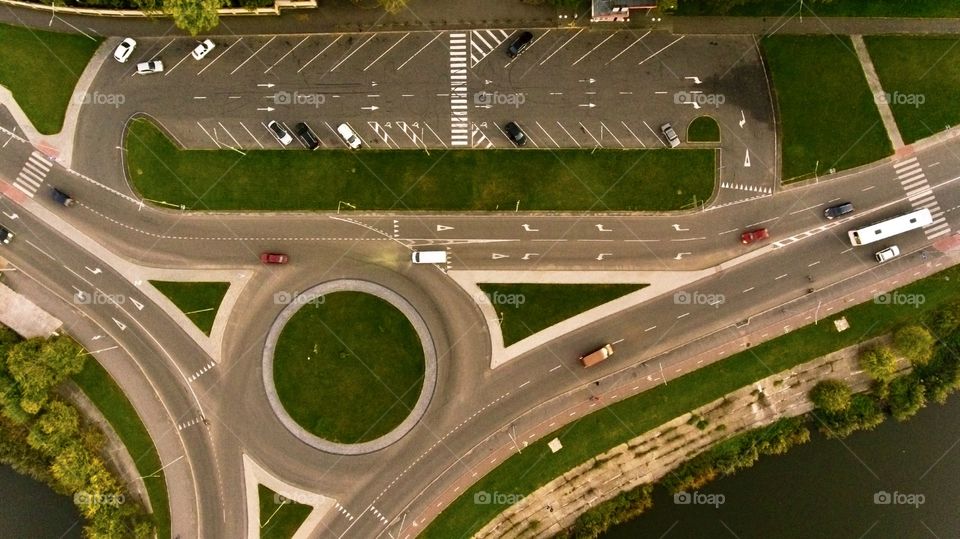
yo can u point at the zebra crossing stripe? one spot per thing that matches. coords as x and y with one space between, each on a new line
458 89
914 183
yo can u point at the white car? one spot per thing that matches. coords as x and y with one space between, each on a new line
153 66
282 134
670 135
349 136
887 254
124 50
202 49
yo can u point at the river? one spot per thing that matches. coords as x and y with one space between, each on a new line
827 488
31 510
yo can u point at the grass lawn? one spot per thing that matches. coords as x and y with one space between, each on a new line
412 180
100 388
921 76
279 517
827 113
525 472
41 70
199 301
703 129
528 308
348 369
835 8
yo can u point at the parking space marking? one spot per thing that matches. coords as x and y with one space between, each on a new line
310 61
562 46
575 141
252 55
479 51
381 132
229 134
435 134
336 135
386 51
251 135
176 65
587 131
655 135
289 52
478 141
163 48
547 134
419 51
354 51
634 134
661 50
409 131
626 49
602 127
597 46
219 56
208 134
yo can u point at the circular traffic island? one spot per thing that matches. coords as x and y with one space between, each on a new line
347 370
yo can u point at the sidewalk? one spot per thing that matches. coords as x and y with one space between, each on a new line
812 25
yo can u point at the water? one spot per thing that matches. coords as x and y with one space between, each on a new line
826 488
30 510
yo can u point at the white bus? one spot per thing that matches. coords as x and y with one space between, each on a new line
890 227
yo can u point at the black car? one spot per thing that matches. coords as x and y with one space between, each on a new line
522 42
62 198
307 135
515 133
838 210
5 236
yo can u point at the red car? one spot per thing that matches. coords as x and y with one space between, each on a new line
751 236
274 258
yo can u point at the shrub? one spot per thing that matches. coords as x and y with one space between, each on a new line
880 363
914 343
831 395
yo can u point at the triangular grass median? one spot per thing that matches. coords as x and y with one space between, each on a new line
525 309
199 301
280 517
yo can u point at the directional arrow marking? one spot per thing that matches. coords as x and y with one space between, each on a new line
696 80
602 255
528 228
267 85
121 325
371 107
137 304
11 215
94 271
268 109
678 229
680 256
601 229
526 256
746 159
498 256
441 228
743 119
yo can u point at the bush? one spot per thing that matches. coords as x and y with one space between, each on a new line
880 363
907 397
914 343
621 508
946 320
831 396
864 413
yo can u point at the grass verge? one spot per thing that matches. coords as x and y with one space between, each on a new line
199 301
523 473
355 350
813 78
99 387
834 8
703 129
45 89
279 517
450 180
921 77
528 308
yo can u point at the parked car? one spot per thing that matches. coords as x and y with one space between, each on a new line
887 254
278 131
751 236
668 133
349 136
274 258
515 133
307 135
522 42
5 236
838 210
62 198
124 50
153 66
202 49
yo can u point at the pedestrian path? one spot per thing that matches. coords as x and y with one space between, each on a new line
883 106
914 182
459 123
32 174
483 42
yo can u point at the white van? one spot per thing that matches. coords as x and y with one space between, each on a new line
429 257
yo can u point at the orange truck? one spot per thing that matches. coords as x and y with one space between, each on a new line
598 356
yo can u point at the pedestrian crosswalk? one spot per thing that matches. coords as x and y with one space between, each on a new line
459 124
914 182
32 174
483 42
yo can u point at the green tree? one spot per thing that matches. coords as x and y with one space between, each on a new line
72 467
914 343
946 319
880 363
831 395
38 365
194 16
907 397
55 428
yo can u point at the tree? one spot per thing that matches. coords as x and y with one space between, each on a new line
55 428
946 319
194 16
831 395
914 343
880 363
907 397
393 6
38 365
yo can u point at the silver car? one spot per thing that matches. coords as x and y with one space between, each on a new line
153 66
670 135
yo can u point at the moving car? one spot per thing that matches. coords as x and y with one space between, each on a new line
278 131
307 135
838 210
887 254
153 66
5 236
522 42
62 198
274 258
124 50
596 357
202 49
349 136
668 133
515 133
751 236
429 257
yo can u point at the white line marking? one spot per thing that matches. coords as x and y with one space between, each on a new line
252 55
319 53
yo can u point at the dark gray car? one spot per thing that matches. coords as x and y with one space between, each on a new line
522 42
515 133
307 135
838 210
